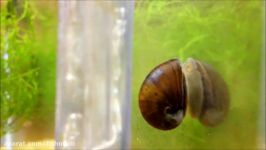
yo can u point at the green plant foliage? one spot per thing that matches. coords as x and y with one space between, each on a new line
46 43
28 56
18 65
225 34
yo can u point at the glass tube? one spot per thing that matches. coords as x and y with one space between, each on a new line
93 74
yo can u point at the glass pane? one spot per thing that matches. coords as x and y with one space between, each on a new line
93 73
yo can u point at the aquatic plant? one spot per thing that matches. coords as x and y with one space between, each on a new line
18 65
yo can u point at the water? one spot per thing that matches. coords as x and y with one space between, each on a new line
227 35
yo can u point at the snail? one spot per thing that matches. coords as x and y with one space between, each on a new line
172 88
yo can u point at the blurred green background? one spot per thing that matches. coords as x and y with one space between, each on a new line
226 34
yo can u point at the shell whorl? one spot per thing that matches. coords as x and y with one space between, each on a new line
162 97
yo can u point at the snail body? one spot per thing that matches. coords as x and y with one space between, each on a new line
172 87
194 87
216 99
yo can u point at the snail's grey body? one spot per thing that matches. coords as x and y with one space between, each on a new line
216 101
207 92
194 87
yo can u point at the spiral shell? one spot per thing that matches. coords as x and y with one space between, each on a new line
162 98
171 87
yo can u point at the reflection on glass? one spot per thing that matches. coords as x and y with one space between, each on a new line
93 74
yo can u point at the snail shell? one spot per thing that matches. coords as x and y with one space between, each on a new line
208 98
169 87
162 97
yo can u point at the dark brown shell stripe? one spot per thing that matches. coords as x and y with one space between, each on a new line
181 86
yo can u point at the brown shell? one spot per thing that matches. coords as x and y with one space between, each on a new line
162 97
